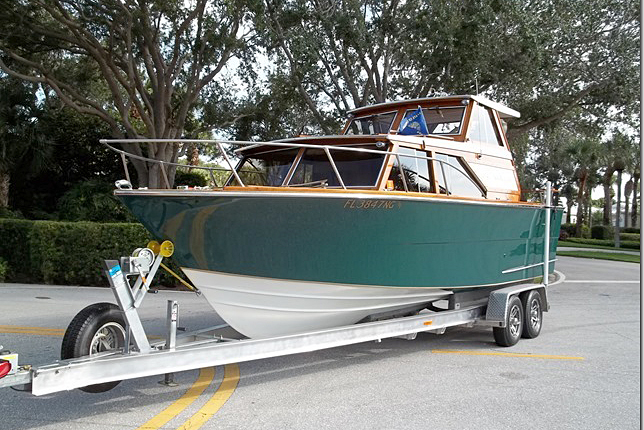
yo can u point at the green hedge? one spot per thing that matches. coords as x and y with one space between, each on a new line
623 244
635 237
631 230
3 269
602 232
14 247
68 253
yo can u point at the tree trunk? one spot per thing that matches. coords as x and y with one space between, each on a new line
628 189
634 202
568 212
608 175
5 180
580 204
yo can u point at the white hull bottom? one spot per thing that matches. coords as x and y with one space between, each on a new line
265 307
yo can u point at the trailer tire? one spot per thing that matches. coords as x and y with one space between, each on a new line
532 314
511 333
97 328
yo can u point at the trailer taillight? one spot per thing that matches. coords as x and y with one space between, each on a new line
5 368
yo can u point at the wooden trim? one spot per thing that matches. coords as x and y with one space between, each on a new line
429 196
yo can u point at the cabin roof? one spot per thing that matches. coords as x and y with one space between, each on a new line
504 111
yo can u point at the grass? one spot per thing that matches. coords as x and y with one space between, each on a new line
588 245
630 258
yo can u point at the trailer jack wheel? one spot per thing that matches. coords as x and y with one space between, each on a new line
511 333
97 328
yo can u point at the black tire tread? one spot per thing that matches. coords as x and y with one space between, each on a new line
502 335
78 325
528 333
78 330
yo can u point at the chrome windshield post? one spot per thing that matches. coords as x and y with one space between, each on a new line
402 172
335 169
127 171
165 175
442 163
230 164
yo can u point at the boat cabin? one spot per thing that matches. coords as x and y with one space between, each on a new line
452 146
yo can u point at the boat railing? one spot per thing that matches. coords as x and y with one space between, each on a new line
246 144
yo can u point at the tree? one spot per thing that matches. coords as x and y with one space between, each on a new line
584 151
74 157
548 59
22 149
570 193
153 60
614 154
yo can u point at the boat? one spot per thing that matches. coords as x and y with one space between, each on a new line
414 202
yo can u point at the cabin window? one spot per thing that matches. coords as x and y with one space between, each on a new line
454 178
496 178
266 169
372 124
357 169
416 171
442 120
482 126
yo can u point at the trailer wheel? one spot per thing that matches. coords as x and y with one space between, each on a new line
533 315
97 328
511 333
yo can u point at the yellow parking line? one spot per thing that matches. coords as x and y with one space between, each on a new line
223 393
40 331
30 328
508 354
206 375
44 331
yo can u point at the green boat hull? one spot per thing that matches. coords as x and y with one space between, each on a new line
340 238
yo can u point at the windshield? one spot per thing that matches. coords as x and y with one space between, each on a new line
372 124
357 169
266 168
442 120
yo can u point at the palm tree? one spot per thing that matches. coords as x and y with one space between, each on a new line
585 153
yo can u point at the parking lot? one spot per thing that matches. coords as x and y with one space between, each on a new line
583 371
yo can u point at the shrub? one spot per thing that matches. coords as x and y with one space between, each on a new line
14 237
631 230
563 235
191 179
569 229
8 213
602 232
70 253
630 237
4 267
625 244
585 232
92 200
73 253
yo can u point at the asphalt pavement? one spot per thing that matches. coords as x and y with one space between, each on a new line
583 371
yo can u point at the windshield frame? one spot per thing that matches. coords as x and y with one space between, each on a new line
376 185
391 124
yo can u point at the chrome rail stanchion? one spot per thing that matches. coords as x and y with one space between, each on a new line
546 236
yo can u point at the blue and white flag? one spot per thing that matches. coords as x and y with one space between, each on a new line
413 123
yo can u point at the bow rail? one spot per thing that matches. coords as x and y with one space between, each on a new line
247 144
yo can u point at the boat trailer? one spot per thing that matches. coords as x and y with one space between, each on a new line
105 343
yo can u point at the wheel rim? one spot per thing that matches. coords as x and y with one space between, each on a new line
109 337
514 321
535 314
